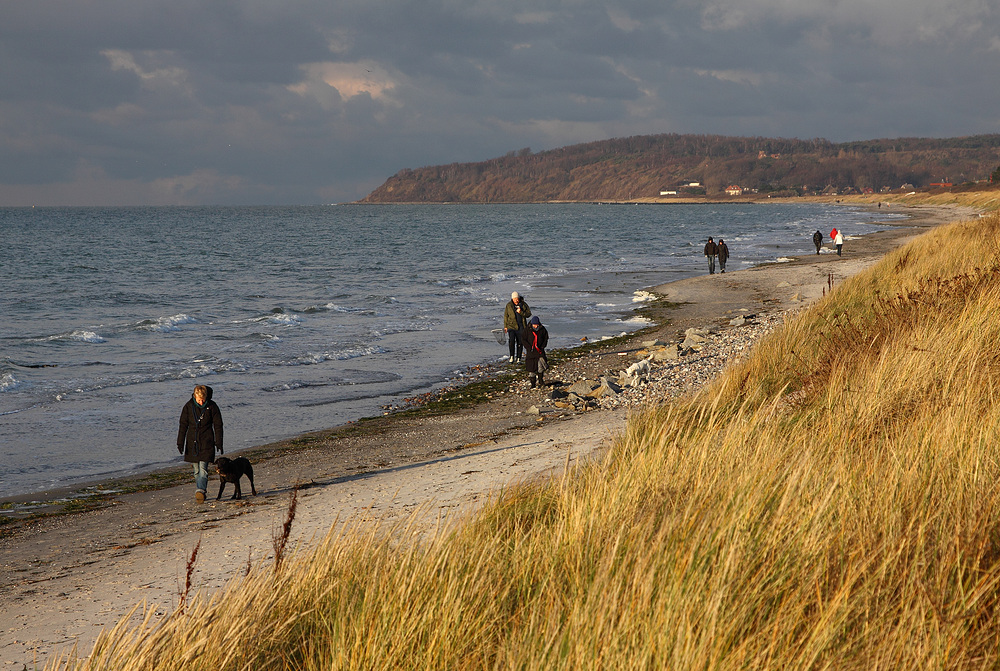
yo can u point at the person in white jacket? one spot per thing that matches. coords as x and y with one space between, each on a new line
839 241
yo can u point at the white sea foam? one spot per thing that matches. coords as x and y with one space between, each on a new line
214 368
83 336
167 324
282 319
268 338
79 335
355 352
314 357
640 321
197 371
8 382
333 307
642 296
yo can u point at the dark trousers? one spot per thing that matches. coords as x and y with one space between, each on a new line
514 340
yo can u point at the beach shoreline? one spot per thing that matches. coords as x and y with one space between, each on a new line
68 576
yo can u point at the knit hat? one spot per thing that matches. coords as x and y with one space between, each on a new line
514 294
534 320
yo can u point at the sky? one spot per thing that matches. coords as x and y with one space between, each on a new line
254 102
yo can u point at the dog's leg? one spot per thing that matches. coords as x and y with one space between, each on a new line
222 485
237 494
253 489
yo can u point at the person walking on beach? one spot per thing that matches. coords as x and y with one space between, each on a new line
515 318
817 240
200 435
711 250
839 241
535 339
723 249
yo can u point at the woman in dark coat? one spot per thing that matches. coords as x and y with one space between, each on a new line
200 435
723 250
535 338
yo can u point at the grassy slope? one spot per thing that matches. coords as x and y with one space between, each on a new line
829 503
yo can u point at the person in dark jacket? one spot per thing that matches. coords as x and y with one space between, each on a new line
723 251
515 318
535 339
711 251
200 435
817 240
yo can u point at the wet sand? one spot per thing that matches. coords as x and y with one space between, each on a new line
67 576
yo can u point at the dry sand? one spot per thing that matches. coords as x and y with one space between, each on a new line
68 576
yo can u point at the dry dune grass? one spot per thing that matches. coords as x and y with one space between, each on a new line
831 503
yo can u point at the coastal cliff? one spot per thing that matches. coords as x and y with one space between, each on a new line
670 167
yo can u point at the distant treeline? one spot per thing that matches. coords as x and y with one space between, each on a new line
644 166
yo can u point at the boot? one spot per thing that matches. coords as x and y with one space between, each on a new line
533 379
541 382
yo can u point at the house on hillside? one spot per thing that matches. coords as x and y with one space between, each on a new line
734 190
668 193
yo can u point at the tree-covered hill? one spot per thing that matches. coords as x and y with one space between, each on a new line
644 166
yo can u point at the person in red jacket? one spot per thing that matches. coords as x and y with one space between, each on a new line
200 435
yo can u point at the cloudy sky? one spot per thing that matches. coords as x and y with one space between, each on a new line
107 102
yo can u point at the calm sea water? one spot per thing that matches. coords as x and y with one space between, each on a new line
302 318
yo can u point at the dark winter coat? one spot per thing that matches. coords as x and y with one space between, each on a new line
723 252
534 347
711 249
511 317
200 432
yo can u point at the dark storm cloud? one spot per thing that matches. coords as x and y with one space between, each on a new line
300 102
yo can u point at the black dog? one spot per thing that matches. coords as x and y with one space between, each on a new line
231 470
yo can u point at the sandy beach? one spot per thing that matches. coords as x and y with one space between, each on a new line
66 577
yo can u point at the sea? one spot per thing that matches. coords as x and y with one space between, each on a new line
305 318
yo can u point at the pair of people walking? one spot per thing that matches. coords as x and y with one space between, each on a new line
715 251
527 336
838 240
